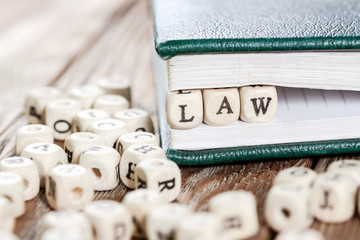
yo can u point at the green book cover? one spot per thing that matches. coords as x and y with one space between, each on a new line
184 27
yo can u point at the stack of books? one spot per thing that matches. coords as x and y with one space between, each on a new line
210 50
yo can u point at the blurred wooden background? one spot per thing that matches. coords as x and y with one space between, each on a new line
66 43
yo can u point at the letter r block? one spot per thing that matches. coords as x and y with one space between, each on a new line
184 109
258 103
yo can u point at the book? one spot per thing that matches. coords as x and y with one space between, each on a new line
308 49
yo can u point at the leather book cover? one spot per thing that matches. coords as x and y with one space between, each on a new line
209 26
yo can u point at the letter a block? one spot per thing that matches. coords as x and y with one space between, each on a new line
184 109
221 106
258 103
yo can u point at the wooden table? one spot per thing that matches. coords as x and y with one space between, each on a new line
66 43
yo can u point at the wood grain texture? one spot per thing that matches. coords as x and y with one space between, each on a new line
77 43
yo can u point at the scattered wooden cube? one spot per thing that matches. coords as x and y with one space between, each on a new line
103 164
7 221
258 103
307 234
46 156
12 188
110 220
288 207
76 143
161 222
32 133
36 101
140 202
132 156
59 115
28 170
160 175
221 106
296 175
111 103
117 85
198 225
184 109
65 233
69 187
136 120
110 129
238 214
85 118
131 138
4 235
347 166
86 94
333 197
66 219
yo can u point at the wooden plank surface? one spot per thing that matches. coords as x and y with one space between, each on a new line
68 43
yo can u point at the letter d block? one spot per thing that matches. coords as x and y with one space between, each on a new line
69 187
221 106
258 103
161 175
184 109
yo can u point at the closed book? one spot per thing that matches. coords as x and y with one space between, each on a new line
308 49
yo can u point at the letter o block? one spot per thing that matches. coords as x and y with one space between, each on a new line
160 175
258 103
110 219
288 207
36 101
69 187
221 106
12 188
132 156
27 169
184 109
59 115
32 133
136 120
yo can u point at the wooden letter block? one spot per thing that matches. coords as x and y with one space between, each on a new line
238 214
348 167
136 120
65 233
76 143
103 164
27 169
12 188
8 236
86 94
160 175
46 156
69 186
59 115
258 103
140 202
111 103
110 219
161 222
221 106
110 129
7 221
296 175
333 197
308 234
32 133
184 109
85 118
204 225
117 85
132 156
36 101
131 138
66 219
288 207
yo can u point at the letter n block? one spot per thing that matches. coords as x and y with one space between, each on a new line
258 103
184 109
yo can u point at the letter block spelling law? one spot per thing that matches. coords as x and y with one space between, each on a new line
184 109
258 103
